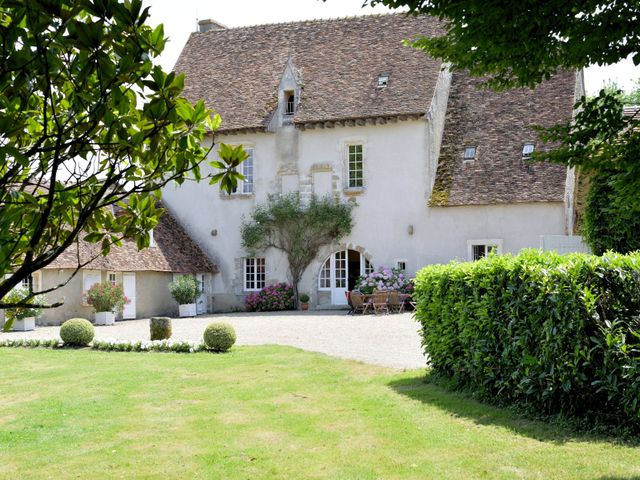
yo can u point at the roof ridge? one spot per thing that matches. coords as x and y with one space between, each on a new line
307 21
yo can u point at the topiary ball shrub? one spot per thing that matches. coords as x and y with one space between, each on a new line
77 332
219 337
160 328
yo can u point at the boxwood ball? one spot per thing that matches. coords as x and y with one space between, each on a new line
219 337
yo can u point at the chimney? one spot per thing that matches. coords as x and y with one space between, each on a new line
209 25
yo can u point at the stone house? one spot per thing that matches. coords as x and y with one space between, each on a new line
437 166
144 274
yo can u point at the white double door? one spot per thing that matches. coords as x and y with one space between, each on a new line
342 265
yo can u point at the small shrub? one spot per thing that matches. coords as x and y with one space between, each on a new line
77 332
184 289
105 297
271 298
304 298
219 337
160 328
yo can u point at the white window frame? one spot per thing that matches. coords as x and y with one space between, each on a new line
475 153
327 277
349 145
115 278
249 278
487 242
247 186
287 94
527 155
401 260
383 80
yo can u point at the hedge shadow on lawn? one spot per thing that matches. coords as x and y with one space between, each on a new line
460 404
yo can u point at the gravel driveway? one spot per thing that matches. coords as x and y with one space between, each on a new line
386 340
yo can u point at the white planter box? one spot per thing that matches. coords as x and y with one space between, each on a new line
24 324
187 310
105 318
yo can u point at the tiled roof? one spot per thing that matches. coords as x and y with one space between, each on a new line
237 71
498 125
175 251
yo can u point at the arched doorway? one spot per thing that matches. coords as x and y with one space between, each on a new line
340 272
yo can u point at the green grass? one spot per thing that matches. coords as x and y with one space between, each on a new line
267 412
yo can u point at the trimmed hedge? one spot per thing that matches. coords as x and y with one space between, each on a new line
77 332
553 334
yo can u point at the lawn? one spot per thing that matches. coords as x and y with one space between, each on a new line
267 412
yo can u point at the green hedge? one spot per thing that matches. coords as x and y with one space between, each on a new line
554 334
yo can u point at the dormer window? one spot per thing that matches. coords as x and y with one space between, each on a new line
527 150
469 154
289 102
383 80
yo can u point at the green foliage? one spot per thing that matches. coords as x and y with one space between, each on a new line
184 289
298 230
77 332
601 139
105 297
521 44
30 308
304 298
160 328
633 97
553 334
611 220
78 137
219 337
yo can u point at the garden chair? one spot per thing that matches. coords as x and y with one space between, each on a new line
359 303
395 302
379 302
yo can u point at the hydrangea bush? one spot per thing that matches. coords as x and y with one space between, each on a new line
271 298
384 278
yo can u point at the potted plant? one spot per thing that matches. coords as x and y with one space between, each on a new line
185 291
304 301
23 318
106 299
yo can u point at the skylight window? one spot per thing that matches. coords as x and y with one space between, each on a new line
469 154
383 80
527 150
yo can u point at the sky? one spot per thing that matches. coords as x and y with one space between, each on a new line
180 19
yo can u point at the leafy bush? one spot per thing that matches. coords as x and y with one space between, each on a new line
77 332
16 295
554 334
219 337
184 289
611 219
383 278
271 298
105 297
304 298
160 328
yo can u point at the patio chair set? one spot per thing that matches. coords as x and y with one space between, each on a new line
379 302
